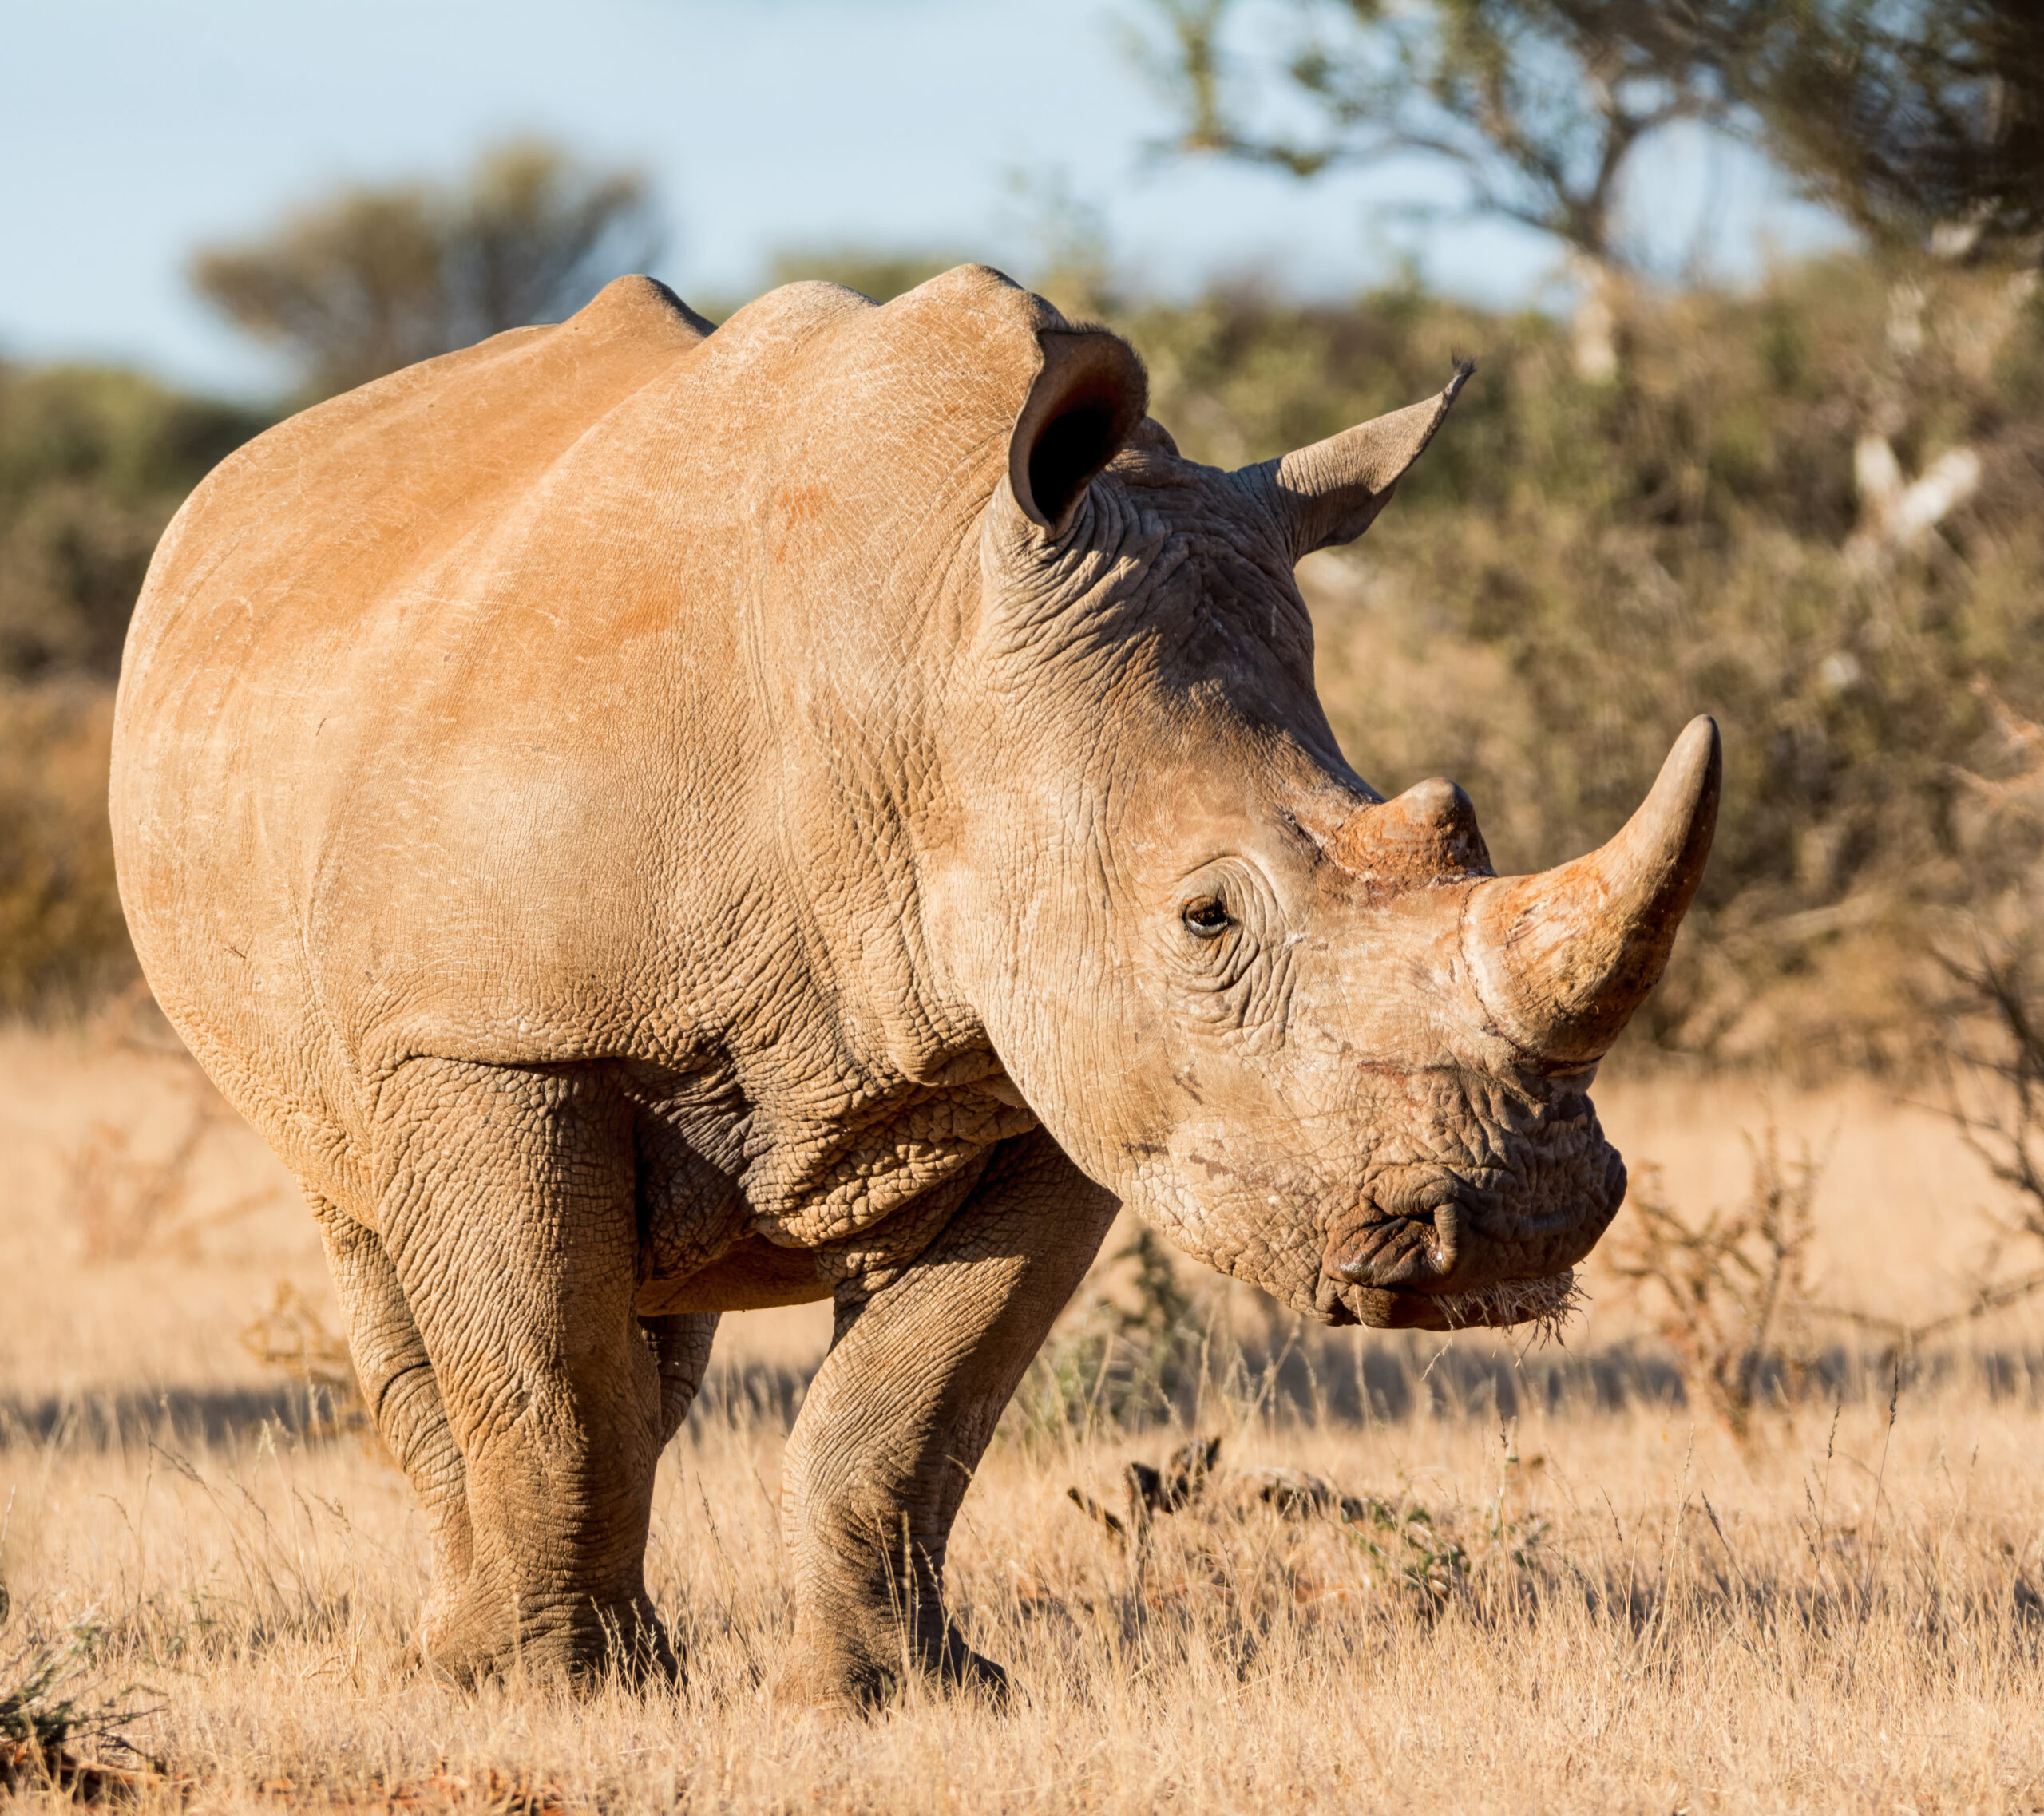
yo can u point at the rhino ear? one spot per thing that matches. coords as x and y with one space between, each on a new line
1087 399
1332 491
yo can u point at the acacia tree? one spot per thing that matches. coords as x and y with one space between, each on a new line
377 278
1539 103
1920 121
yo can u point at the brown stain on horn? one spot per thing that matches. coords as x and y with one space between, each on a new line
1562 959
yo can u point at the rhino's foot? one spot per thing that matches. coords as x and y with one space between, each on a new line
580 1649
834 1672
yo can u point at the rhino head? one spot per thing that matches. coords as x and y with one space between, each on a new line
1306 1031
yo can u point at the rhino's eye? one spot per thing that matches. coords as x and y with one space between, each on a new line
1205 919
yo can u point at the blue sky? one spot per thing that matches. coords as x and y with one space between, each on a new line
132 130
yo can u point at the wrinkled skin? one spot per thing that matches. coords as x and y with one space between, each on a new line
1268 1095
651 823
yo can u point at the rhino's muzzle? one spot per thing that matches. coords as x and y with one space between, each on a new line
1451 1254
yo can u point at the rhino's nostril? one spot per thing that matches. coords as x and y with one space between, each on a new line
1391 1253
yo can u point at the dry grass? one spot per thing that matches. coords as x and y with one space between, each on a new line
1550 1589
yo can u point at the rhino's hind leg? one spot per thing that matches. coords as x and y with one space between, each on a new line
399 1388
924 1358
509 1214
681 1345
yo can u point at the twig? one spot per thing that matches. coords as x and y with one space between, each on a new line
1873 1532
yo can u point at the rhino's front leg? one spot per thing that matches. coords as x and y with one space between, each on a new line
508 1217
924 1358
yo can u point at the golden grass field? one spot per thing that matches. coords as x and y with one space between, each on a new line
1562 1589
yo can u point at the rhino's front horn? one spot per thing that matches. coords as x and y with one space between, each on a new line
1332 491
1561 960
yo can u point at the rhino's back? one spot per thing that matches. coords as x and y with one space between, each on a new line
487 712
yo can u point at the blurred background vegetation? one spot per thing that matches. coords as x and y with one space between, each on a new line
1812 506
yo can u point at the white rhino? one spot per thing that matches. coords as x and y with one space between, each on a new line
650 822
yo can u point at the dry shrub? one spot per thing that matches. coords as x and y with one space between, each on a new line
1995 1092
1732 1297
57 1728
1732 1293
126 1203
93 461
1409 1547
63 941
1126 1354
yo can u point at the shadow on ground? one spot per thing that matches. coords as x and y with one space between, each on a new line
1389 1381
1400 1378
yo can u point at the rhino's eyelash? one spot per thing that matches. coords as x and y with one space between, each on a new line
1205 919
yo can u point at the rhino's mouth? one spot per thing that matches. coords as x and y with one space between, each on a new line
1546 1304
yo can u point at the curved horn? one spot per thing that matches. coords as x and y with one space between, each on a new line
1332 491
1561 960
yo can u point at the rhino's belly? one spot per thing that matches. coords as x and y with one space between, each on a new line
756 1270
851 1184
800 1220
